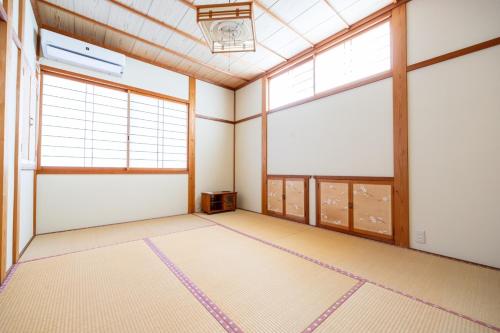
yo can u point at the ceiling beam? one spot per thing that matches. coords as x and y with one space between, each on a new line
280 20
145 41
336 12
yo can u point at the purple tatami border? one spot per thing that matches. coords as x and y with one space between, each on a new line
354 276
8 277
211 307
328 312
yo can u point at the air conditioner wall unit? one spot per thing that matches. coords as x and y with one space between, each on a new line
75 52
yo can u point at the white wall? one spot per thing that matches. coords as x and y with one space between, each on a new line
454 110
454 130
347 134
248 164
437 27
248 143
76 201
214 140
114 198
248 100
214 101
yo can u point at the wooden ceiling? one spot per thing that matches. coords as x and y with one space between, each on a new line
165 32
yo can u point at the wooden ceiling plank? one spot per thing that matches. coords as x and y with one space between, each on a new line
110 28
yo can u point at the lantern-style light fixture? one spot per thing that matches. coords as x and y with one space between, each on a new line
227 27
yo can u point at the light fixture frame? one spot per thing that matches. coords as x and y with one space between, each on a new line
219 14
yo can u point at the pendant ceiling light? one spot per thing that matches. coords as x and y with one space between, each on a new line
227 27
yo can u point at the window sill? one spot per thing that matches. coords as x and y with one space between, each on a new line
105 171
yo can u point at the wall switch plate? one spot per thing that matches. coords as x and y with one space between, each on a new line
420 237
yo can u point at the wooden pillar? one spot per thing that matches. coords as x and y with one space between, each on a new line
264 146
191 145
5 41
400 123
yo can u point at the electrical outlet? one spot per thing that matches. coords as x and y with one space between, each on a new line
420 238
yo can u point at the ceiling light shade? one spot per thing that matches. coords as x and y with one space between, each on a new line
227 27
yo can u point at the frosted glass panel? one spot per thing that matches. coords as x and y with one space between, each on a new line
334 204
295 197
373 208
275 195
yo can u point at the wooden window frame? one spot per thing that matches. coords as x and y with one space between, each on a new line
284 215
335 90
47 70
352 181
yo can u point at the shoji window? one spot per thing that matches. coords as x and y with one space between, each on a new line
362 56
158 133
83 125
87 125
295 84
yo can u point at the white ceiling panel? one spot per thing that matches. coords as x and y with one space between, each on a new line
69 4
155 33
287 10
265 26
286 43
360 9
168 11
188 24
95 9
201 52
180 44
125 20
140 5
168 58
325 23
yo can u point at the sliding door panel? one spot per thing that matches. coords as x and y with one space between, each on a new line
334 204
275 196
372 209
295 205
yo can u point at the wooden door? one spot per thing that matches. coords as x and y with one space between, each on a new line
333 198
372 209
275 196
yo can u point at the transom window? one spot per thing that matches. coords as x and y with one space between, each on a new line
94 126
362 56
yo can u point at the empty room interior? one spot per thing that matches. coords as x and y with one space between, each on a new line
250 166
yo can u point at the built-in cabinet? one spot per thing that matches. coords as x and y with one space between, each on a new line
361 206
288 197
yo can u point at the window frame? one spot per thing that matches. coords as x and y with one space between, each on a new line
324 48
47 70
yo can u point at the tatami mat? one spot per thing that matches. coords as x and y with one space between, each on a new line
122 288
465 288
84 239
262 289
373 309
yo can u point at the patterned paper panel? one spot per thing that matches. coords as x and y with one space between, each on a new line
275 195
334 204
295 197
372 208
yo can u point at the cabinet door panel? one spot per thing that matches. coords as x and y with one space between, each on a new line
334 205
275 196
295 205
373 208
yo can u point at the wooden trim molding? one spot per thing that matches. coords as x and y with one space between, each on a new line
264 147
248 118
3 14
201 116
455 54
191 145
400 125
338 90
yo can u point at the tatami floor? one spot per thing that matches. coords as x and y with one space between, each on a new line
236 272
